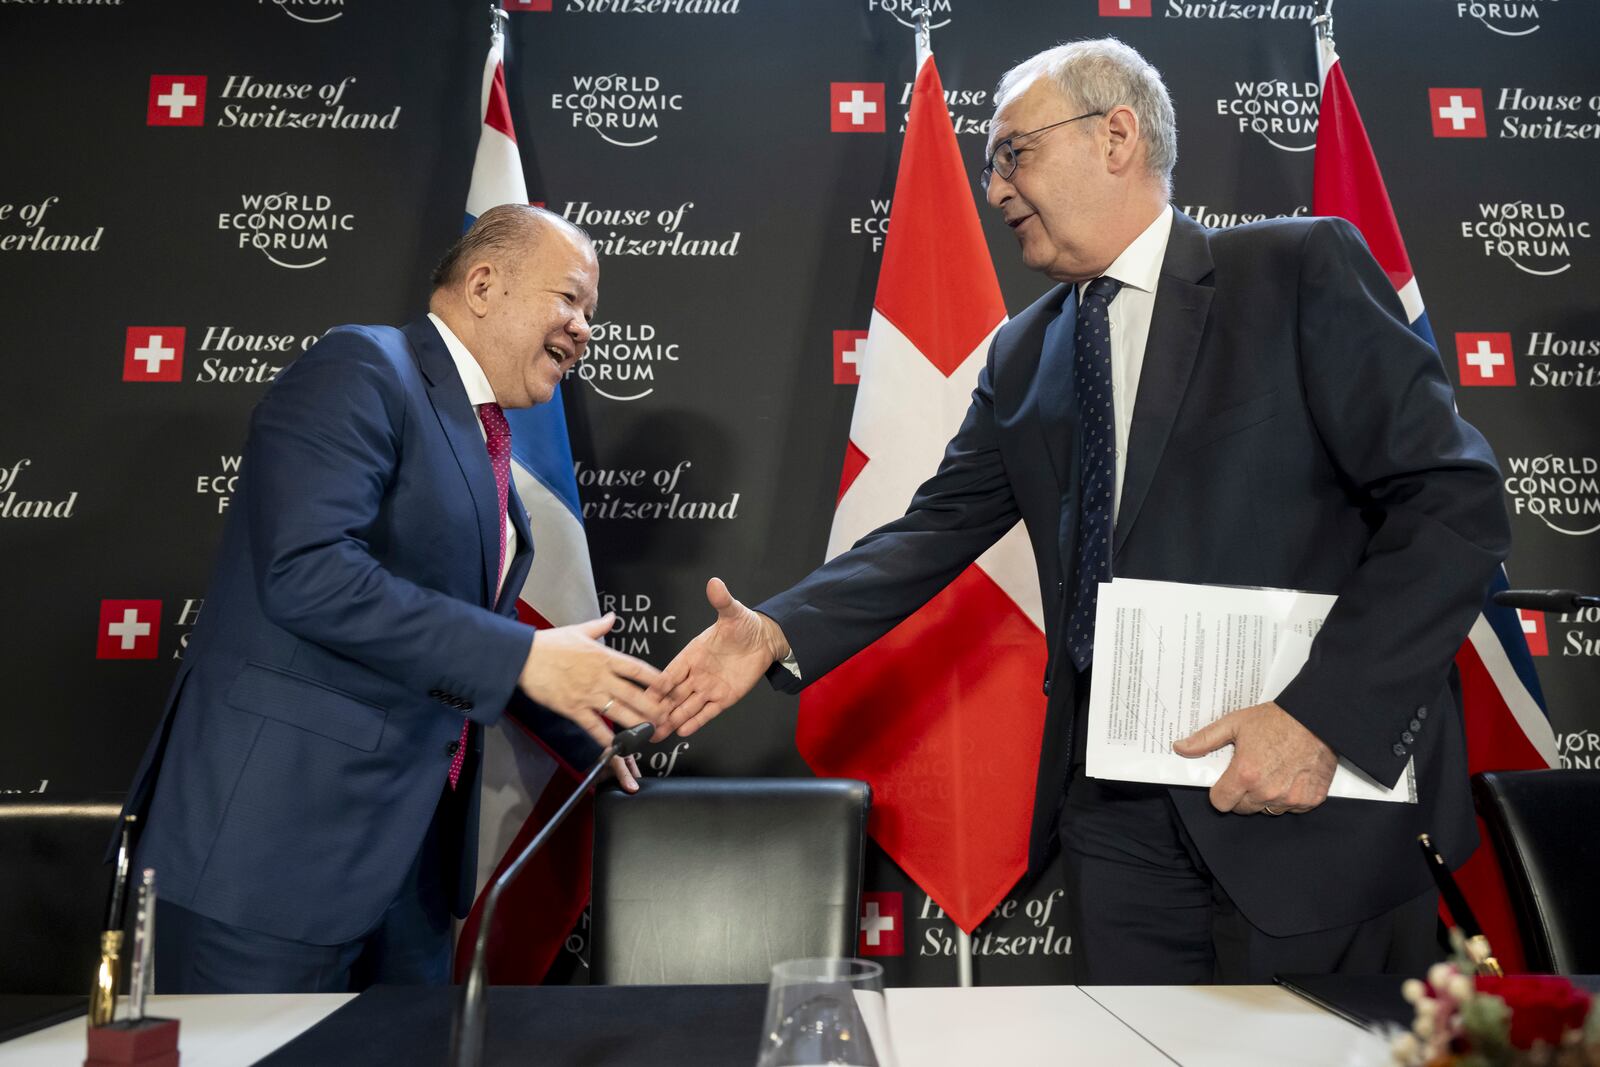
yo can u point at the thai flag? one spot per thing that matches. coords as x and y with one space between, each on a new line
1507 725
522 783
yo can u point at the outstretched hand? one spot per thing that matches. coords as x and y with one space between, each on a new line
720 665
572 672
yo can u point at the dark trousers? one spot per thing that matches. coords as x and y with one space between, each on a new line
409 945
1145 909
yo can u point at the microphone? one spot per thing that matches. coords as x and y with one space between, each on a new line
466 1037
1559 601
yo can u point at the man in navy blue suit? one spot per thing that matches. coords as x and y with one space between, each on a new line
1234 407
311 792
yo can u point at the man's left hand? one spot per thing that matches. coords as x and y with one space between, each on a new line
1278 765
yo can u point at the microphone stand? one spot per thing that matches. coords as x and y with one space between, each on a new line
467 1035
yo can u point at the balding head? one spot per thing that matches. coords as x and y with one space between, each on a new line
503 235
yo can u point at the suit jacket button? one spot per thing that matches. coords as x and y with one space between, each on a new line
1398 750
1416 725
1407 737
1047 687
450 749
1422 713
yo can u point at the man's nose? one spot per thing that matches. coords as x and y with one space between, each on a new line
999 190
580 329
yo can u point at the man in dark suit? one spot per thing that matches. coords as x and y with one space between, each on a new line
1238 407
312 788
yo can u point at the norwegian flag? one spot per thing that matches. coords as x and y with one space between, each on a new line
522 783
1507 725
938 723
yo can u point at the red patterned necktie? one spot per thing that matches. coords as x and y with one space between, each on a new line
497 438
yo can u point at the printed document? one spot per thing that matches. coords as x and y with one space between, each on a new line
1170 657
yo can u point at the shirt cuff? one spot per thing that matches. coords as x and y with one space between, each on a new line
792 665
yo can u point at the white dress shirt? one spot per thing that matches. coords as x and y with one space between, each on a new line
1138 268
479 392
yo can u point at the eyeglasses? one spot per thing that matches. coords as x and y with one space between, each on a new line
1003 160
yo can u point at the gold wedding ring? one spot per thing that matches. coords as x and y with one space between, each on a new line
1271 811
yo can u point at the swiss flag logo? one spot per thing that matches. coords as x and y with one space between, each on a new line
153 354
1139 9
857 107
176 100
882 925
129 629
1533 629
848 347
527 5
1485 359
1457 112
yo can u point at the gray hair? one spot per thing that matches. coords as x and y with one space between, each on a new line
1098 76
498 232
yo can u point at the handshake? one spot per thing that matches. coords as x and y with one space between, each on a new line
570 671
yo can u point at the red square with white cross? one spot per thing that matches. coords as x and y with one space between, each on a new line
848 348
1485 359
1457 113
153 354
129 629
176 100
856 107
882 925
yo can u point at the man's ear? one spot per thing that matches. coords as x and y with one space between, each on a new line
1122 142
478 287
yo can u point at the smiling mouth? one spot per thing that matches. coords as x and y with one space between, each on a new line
559 357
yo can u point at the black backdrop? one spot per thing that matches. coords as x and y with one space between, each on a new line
323 165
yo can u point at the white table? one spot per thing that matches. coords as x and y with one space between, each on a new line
1123 1026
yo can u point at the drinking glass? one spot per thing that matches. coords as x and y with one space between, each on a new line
826 1012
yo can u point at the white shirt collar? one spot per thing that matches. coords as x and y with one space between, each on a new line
472 376
1139 266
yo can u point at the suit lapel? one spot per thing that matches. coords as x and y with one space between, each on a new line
520 559
1042 404
461 429
1177 323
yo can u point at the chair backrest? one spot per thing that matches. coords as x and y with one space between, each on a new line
713 880
53 886
1543 824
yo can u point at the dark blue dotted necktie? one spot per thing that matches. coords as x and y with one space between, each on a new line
1098 458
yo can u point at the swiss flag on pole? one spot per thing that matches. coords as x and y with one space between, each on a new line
942 716
1506 722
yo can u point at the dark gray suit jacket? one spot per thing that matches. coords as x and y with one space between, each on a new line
1289 431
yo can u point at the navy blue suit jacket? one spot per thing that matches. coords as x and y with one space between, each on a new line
349 624
1289 431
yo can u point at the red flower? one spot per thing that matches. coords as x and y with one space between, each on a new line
1543 1007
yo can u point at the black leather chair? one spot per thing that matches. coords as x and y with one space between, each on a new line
1543 825
53 887
716 879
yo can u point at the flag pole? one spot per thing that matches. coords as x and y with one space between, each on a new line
1323 23
924 48
497 22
